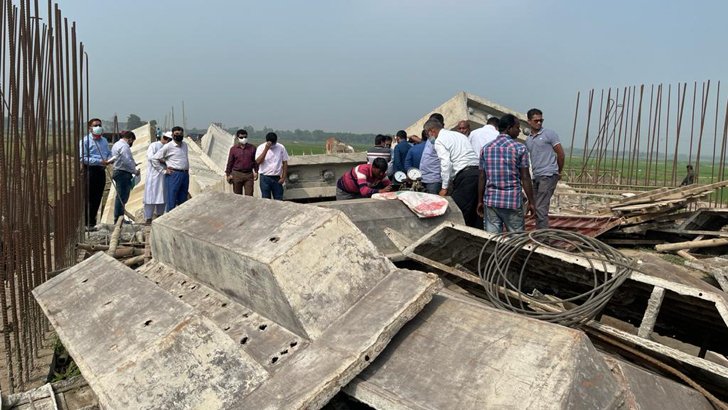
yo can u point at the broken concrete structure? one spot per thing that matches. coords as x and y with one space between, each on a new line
374 216
216 144
656 297
313 177
458 354
470 107
259 304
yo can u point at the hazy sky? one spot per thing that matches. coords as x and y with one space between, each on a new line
377 66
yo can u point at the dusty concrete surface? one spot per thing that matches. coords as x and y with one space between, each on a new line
470 107
459 354
140 347
373 216
646 390
302 265
165 337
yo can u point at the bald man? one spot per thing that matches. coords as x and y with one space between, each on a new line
464 127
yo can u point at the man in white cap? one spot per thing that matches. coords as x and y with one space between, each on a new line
154 184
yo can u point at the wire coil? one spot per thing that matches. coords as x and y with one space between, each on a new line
503 279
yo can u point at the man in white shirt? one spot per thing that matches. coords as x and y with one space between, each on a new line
484 135
454 151
154 184
124 171
174 160
272 160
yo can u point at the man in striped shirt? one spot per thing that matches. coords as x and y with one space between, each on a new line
503 172
363 181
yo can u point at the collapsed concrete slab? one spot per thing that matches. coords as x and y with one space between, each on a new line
216 144
657 297
373 217
458 353
280 304
470 107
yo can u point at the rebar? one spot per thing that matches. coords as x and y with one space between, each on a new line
41 187
642 144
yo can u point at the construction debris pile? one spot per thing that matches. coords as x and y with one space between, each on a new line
286 317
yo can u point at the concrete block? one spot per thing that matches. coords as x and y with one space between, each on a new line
140 347
373 216
302 265
459 354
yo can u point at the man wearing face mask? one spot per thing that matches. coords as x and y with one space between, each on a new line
124 171
95 155
241 169
173 160
272 159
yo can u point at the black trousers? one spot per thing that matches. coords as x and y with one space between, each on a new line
96 184
465 195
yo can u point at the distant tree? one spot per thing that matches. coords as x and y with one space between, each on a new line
153 123
133 122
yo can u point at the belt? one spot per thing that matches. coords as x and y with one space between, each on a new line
272 176
468 167
178 170
243 171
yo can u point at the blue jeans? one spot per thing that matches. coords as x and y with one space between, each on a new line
432 187
496 218
122 182
176 186
269 185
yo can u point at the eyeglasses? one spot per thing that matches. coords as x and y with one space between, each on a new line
541 120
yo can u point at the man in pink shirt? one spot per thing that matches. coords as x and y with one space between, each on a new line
363 181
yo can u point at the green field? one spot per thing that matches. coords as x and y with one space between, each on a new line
308 147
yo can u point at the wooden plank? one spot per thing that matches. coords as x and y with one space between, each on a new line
707 243
721 234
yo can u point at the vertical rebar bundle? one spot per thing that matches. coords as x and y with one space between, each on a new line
645 136
43 77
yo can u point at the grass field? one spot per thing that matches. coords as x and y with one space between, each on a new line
309 147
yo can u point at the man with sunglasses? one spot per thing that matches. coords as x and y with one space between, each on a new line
547 162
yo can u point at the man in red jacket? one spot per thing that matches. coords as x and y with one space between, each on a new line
363 181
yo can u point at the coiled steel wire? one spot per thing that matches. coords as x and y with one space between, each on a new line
503 279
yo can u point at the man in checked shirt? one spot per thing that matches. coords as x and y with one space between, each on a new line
503 172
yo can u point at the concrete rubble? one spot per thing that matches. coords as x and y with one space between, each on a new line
458 353
319 296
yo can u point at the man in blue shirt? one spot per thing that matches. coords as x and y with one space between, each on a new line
95 156
547 162
400 152
414 155
124 171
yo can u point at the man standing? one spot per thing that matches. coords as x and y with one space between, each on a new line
464 127
363 181
241 169
689 178
503 172
400 152
154 184
272 160
176 167
547 162
379 150
483 135
414 155
124 171
95 156
454 150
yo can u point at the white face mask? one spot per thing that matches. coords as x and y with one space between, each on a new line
243 141
97 130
